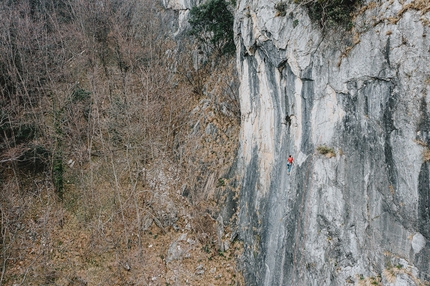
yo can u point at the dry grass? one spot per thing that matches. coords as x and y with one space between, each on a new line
421 143
96 236
393 20
421 5
368 281
392 271
390 275
114 226
391 189
356 39
327 151
370 6
426 154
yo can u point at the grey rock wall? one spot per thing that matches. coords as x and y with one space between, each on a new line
182 9
362 214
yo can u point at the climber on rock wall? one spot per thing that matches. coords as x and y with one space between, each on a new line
290 163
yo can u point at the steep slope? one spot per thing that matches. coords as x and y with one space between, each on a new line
352 108
116 146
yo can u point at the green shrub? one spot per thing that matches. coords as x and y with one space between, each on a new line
220 183
80 94
212 23
281 8
330 12
58 175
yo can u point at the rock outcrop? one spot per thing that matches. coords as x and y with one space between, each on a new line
182 9
352 108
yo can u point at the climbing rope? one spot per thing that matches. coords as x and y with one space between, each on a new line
297 234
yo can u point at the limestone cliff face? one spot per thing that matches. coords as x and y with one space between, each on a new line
361 213
182 9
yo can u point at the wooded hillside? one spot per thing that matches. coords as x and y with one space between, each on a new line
116 141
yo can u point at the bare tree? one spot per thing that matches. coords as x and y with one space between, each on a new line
94 105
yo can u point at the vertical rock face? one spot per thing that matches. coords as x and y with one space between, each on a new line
360 213
182 9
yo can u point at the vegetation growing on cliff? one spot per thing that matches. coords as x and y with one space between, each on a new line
327 151
212 23
330 12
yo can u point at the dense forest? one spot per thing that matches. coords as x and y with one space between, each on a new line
116 138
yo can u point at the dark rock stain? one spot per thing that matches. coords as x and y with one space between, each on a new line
387 51
307 103
389 128
424 201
